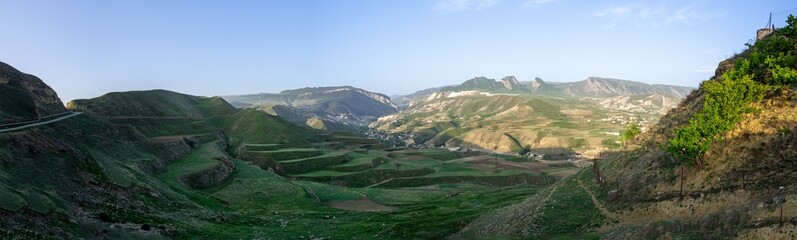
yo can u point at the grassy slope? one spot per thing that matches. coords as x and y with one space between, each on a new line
117 175
561 211
153 103
270 206
257 203
252 126
200 159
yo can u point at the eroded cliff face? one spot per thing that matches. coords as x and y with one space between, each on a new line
25 97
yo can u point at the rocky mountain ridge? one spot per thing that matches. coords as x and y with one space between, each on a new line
605 87
350 106
478 112
592 87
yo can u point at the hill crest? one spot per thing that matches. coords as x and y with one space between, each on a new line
25 97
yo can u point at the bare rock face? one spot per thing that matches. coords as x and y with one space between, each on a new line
25 97
538 83
511 83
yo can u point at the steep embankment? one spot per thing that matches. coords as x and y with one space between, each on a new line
74 178
719 166
25 97
729 152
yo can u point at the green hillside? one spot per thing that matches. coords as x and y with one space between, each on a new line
24 97
252 126
506 85
165 165
153 103
159 164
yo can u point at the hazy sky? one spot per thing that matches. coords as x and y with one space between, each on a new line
84 49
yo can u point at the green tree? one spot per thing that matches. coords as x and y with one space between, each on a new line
631 131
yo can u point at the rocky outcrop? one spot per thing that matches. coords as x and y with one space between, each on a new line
384 99
511 83
25 97
538 83
507 84
209 177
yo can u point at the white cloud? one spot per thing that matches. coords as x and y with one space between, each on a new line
686 15
616 11
645 13
462 5
485 4
451 5
705 69
534 3
655 16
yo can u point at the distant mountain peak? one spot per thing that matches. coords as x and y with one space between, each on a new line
511 83
507 84
606 87
336 105
538 83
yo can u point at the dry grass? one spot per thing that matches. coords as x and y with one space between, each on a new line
785 232
687 210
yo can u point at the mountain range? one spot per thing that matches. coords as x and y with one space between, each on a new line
510 116
332 108
161 164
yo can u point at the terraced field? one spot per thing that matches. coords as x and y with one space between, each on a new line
350 187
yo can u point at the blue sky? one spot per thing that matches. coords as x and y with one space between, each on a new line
84 49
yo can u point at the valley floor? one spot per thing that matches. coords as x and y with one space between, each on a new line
356 191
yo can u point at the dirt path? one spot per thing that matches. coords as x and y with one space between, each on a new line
605 211
377 184
41 123
560 175
548 197
534 214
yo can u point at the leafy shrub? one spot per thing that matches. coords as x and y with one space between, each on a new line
771 63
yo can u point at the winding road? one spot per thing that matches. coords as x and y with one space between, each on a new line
34 124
